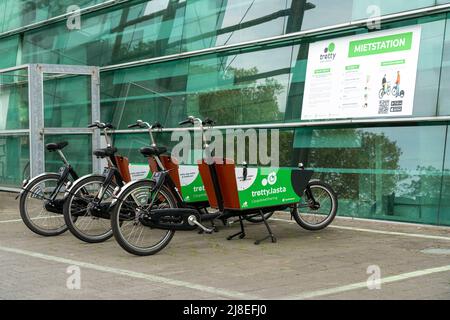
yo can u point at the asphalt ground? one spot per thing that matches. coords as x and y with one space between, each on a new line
351 259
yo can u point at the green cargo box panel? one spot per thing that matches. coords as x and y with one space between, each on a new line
192 188
269 187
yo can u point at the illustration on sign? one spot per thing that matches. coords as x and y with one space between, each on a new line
371 75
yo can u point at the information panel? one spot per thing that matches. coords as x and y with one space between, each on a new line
371 75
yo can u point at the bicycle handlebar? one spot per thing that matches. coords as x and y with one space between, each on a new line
208 122
157 125
190 120
101 125
142 124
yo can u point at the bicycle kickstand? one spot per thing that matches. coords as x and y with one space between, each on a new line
271 235
241 233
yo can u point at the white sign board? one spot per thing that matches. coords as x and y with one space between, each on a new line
370 75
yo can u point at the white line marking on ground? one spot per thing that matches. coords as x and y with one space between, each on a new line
362 285
392 233
37 218
9 221
133 274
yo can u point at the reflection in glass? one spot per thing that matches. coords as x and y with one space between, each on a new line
14 160
389 173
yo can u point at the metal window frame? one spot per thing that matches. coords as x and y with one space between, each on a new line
37 130
309 124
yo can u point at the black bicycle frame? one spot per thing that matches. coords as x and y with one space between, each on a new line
110 173
64 173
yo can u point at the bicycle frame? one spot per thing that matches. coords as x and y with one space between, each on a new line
64 172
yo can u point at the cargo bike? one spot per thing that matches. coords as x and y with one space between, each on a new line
149 206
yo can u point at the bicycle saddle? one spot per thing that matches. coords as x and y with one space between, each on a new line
106 152
56 146
152 151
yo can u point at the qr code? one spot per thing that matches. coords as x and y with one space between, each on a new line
384 108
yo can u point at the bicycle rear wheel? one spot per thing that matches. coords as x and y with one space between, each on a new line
34 206
316 216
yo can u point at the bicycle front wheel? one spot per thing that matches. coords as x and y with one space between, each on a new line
35 205
317 208
80 209
130 233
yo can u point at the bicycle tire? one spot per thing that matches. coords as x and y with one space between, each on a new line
334 206
116 222
24 214
70 222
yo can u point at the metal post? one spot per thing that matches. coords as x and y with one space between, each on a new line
95 112
36 119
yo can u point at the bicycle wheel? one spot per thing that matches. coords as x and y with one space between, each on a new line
256 218
33 210
395 93
128 230
82 221
317 217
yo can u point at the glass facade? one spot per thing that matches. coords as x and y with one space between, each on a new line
14 159
21 13
78 153
397 172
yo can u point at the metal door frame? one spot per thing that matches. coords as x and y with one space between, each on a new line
36 129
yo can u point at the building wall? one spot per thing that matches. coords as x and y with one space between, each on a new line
380 171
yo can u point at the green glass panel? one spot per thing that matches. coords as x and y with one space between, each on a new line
14 100
14 160
341 138
151 93
241 88
363 9
78 153
226 22
444 93
312 14
21 13
232 89
395 174
444 210
132 31
67 101
8 51
128 145
429 66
